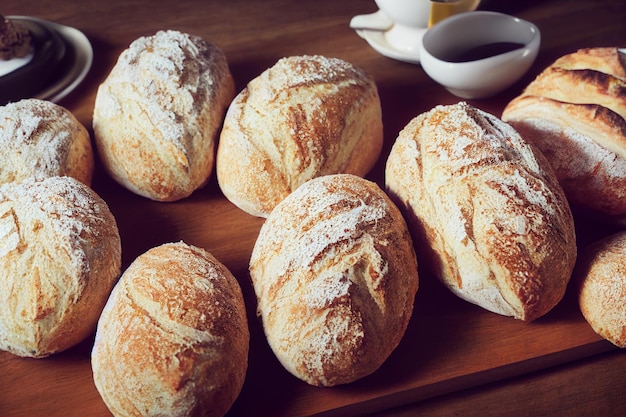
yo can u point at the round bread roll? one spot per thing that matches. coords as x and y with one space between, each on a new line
485 209
158 113
601 274
305 117
60 256
40 139
173 337
335 276
575 113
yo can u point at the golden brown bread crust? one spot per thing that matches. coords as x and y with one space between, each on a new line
585 144
603 59
60 256
40 139
173 338
485 209
580 86
575 112
158 113
601 276
335 276
304 117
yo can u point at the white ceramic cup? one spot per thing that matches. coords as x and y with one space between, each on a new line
411 19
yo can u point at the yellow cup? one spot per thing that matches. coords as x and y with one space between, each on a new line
440 9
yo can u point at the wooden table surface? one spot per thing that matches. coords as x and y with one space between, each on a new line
456 359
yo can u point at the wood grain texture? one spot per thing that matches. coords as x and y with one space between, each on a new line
474 358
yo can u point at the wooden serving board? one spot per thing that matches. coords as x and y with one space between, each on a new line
449 345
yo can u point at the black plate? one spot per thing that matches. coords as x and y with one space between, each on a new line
49 49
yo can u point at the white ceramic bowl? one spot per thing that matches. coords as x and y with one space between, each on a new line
444 43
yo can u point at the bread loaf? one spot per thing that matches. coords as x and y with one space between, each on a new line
485 209
40 139
601 275
173 337
304 117
158 113
585 144
602 59
60 256
335 277
575 113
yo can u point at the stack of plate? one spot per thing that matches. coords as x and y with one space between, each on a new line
60 60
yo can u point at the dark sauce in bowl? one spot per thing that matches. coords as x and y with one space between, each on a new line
481 52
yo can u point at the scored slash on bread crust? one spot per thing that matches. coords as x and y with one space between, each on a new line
603 59
580 86
485 210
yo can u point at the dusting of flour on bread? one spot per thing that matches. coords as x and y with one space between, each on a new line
486 207
66 210
304 117
158 113
61 255
40 139
168 64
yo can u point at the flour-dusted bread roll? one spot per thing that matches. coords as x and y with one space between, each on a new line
575 113
486 208
60 256
335 276
304 117
173 337
40 139
601 276
158 113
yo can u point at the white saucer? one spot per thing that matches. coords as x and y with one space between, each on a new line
79 67
377 40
